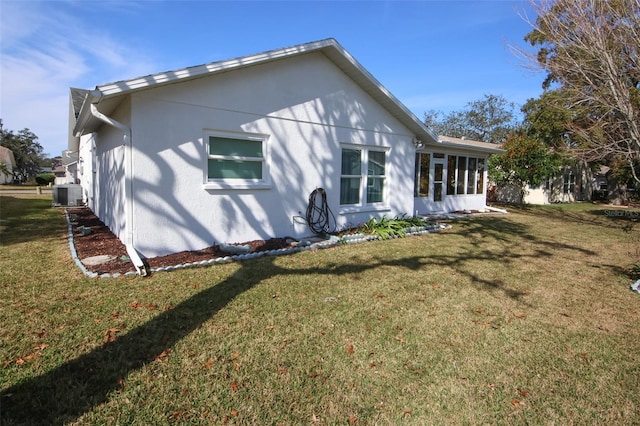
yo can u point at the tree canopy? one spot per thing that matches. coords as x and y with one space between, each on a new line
489 119
526 161
590 50
546 119
27 152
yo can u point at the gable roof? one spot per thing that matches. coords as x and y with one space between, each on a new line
487 147
110 95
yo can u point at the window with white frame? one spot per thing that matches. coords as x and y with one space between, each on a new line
236 159
363 176
479 172
569 182
421 177
375 176
465 175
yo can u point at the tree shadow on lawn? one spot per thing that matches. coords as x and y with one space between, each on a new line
75 387
585 214
511 236
507 232
605 217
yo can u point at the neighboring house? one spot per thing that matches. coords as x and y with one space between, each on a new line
230 151
570 184
67 171
9 161
601 183
58 171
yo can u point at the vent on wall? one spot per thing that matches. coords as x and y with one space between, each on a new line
67 195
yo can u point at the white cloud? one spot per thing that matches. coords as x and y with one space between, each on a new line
46 49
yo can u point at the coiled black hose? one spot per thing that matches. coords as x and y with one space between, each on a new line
319 216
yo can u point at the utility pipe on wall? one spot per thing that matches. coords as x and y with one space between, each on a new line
128 189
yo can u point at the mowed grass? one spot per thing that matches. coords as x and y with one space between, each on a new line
525 318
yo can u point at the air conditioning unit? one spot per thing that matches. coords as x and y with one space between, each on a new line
67 195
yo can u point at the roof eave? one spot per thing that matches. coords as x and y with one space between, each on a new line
189 73
330 47
395 106
489 150
84 114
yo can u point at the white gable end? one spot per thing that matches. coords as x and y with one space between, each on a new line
305 107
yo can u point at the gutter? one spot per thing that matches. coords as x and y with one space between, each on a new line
487 150
141 268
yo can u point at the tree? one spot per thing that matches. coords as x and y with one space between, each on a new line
550 120
591 52
489 119
526 161
27 152
4 169
547 119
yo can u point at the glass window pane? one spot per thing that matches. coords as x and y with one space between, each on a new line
438 172
234 147
376 163
351 162
462 167
232 169
424 175
416 176
375 190
349 190
437 191
451 175
480 177
471 176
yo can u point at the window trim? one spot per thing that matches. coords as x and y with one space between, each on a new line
363 204
569 182
237 183
454 176
420 177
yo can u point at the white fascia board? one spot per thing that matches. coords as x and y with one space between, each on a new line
470 147
168 77
85 112
330 46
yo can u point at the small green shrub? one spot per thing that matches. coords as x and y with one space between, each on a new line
386 228
635 270
45 178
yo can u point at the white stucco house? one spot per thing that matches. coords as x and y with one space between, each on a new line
230 151
65 170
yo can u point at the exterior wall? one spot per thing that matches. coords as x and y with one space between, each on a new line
305 106
109 177
511 194
555 189
70 173
85 169
451 203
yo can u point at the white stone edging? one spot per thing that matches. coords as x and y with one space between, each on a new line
304 245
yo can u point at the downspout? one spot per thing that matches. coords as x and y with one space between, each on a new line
128 189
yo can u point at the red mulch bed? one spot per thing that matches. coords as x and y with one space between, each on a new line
101 241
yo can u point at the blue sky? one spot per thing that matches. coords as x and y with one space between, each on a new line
430 54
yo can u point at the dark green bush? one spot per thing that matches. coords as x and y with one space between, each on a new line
45 178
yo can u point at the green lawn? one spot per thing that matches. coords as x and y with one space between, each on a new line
525 318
